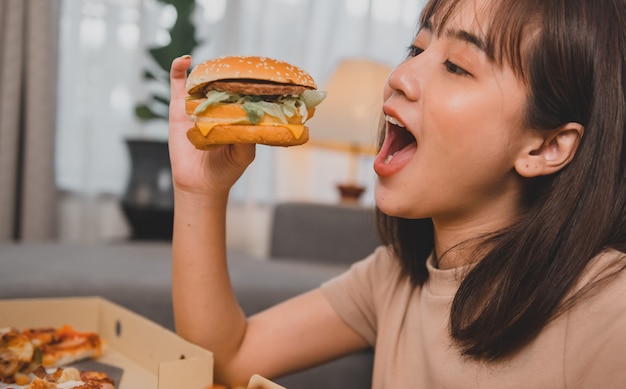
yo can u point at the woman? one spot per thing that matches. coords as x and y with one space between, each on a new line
502 201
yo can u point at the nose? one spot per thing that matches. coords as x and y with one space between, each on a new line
404 79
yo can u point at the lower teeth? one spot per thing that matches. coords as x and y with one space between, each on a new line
390 157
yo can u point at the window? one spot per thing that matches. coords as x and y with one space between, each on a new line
103 55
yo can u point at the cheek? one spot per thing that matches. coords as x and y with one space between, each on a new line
457 125
470 134
465 110
474 119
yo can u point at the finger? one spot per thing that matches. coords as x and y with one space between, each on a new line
212 147
178 76
244 153
178 91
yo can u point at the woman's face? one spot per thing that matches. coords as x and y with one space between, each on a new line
454 129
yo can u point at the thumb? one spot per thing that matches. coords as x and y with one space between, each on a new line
244 154
178 75
178 79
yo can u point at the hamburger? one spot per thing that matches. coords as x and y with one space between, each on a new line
249 99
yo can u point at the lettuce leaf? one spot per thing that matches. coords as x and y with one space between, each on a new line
256 110
312 98
212 97
290 106
255 113
281 108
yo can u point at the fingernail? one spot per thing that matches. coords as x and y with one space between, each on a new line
185 56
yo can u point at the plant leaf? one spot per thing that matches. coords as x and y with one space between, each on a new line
161 99
147 75
143 112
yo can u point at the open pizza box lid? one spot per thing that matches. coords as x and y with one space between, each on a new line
150 355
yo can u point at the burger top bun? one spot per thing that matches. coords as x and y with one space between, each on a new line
247 68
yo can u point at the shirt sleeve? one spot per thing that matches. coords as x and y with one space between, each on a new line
596 351
355 294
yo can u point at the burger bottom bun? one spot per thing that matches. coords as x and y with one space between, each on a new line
231 134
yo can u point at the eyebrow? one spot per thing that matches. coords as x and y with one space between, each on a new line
461 35
468 37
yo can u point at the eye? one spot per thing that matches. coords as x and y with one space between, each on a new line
414 51
452 68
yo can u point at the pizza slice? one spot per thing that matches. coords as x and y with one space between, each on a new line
70 378
28 359
16 351
63 345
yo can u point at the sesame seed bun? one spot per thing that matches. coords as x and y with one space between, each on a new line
247 68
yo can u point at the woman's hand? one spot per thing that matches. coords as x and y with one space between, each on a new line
196 171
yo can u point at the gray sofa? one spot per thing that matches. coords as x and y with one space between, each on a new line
322 233
137 275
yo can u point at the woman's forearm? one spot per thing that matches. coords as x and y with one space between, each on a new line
205 308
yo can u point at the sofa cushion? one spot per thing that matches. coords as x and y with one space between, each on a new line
323 232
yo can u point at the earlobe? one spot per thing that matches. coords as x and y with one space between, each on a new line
549 151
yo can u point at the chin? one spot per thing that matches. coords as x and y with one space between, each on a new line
388 203
397 204
395 212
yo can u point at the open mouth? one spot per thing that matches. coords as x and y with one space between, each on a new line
400 138
398 148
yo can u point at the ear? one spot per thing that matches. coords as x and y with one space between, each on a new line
547 152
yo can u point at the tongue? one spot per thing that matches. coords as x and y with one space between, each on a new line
386 165
402 155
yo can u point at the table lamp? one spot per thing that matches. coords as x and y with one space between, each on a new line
349 119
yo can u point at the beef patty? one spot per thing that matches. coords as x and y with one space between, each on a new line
255 87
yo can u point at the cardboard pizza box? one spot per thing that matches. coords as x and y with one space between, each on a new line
151 356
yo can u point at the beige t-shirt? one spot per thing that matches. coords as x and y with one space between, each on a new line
408 327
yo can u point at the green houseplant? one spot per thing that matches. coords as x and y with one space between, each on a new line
148 202
183 41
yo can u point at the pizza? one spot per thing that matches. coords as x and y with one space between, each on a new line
62 378
36 358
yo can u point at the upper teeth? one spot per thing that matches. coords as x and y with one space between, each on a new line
393 120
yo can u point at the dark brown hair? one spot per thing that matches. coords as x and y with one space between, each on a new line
571 54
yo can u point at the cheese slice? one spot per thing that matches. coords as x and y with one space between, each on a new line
206 127
296 129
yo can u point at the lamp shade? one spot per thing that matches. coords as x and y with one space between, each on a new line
349 117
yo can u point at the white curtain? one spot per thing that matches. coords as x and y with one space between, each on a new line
103 56
28 67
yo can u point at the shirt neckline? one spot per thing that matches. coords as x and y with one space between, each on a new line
446 282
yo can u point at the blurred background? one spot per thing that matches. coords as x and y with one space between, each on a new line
83 104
